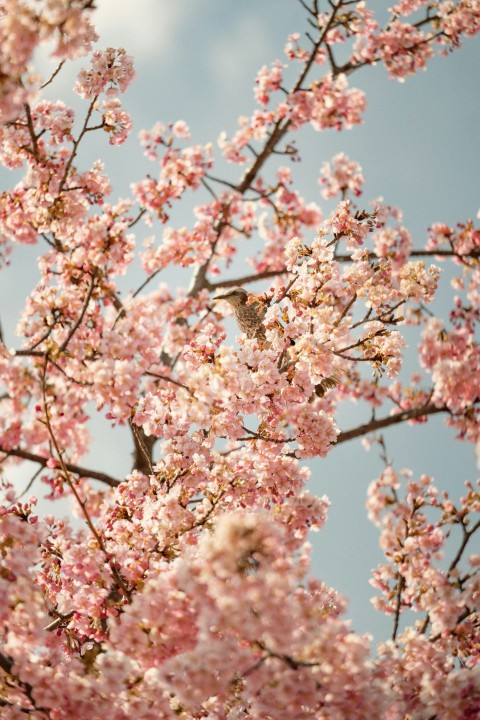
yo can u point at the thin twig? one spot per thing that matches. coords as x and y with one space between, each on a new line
168 379
31 130
53 76
78 322
73 489
76 143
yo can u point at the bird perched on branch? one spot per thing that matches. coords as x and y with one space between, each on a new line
249 315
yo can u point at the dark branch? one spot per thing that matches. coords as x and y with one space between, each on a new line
75 469
374 425
419 253
79 320
240 281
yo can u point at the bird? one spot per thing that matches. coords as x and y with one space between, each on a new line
249 315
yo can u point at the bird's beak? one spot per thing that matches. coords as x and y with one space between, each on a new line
218 297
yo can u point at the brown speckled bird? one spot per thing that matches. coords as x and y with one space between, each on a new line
249 316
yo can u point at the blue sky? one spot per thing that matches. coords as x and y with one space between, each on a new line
419 148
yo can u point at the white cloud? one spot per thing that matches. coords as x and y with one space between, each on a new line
146 28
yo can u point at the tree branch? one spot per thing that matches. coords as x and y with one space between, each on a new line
82 504
76 143
418 253
78 321
75 469
467 534
374 425
53 75
246 279
279 130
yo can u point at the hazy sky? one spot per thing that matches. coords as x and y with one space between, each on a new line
419 148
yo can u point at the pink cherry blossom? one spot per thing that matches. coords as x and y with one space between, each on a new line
110 68
330 104
340 176
268 80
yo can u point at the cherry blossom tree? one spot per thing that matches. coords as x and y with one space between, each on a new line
185 589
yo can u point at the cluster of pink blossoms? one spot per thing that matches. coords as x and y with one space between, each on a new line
269 79
340 176
180 169
330 104
22 28
453 358
412 578
402 48
111 71
294 51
